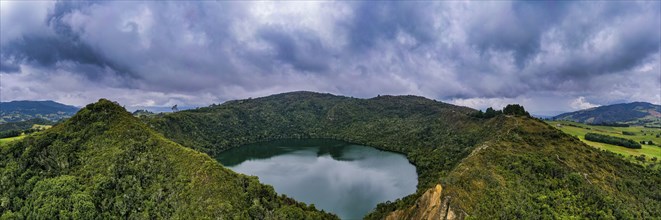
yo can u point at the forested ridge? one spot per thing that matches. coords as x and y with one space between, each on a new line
103 163
500 167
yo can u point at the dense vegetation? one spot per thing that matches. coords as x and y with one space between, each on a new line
635 113
515 110
142 112
16 111
628 133
15 129
10 133
105 164
534 171
612 140
512 110
375 122
24 125
16 133
504 166
611 124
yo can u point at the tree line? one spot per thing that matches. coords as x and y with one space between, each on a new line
16 133
612 140
511 109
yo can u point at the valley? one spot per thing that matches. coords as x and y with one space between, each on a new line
526 165
17 111
501 166
330 110
635 133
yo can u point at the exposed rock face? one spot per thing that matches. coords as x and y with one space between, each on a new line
429 206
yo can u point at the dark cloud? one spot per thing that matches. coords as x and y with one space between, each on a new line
517 27
625 38
48 51
303 50
194 53
64 45
382 22
60 10
7 66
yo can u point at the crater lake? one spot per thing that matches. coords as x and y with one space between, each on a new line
339 177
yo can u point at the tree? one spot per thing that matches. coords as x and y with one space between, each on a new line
490 113
10 133
516 110
612 140
175 109
478 114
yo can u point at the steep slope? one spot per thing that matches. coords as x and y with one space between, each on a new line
638 113
105 164
533 171
504 167
16 111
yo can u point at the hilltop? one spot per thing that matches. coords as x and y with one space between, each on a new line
635 113
500 167
103 163
16 111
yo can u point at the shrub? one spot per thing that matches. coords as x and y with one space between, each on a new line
515 109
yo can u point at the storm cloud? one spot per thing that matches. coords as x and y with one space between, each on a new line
549 56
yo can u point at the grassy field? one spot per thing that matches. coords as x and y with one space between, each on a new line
35 126
640 134
7 140
41 127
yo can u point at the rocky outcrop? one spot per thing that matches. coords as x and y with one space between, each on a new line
430 206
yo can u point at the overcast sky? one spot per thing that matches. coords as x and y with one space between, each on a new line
549 56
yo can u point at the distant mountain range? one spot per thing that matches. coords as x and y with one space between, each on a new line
16 111
635 113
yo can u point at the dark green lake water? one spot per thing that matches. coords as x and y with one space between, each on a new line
339 177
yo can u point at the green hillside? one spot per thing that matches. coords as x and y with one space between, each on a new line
410 124
17 130
105 164
635 113
636 133
503 167
535 171
10 139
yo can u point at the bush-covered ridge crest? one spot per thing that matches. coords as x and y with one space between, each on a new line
104 164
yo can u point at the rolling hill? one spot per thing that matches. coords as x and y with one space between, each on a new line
103 163
16 111
503 167
635 113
